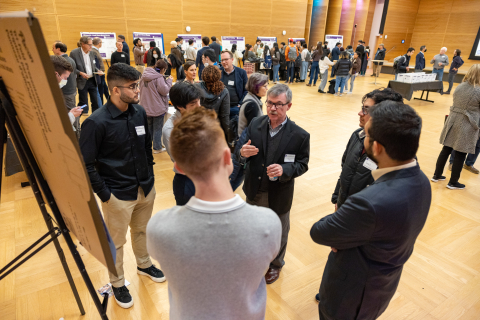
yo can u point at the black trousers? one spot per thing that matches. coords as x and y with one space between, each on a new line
89 89
103 89
457 163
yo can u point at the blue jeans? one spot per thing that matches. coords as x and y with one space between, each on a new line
340 83
439 73
471 158
314 73
155 126
350 77
183 189
276 78
290 71
304 70
323 83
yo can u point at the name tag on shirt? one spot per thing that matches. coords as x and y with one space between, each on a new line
123 56
93 60
289 158
140 130
369 164
231 83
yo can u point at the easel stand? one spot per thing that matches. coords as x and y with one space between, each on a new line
9 121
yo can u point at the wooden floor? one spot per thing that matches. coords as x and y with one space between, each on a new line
440 281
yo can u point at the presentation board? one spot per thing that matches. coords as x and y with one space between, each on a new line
475 53
197 40
227 43
269 41
298 39
332 40
29 76
109 42
147 37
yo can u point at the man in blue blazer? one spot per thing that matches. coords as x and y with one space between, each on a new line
420 59
235 79
372 235
336 55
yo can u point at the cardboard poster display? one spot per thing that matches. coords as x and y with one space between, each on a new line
332 40
269 41
227 43
29 77
147 37
197 41
109 42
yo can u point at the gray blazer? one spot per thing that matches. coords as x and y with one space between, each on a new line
77 56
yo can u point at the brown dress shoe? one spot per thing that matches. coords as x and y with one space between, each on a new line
471 169
272 275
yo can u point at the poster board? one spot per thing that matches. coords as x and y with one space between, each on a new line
109 42
227 43
269 41
29 77
298 39
147 37
197 41
475 53
332 40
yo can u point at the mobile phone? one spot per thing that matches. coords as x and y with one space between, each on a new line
81 107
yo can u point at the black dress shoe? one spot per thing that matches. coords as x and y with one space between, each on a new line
272 275
317 297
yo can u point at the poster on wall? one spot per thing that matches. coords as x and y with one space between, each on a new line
197 41
147 37
332 40
109 40
475 53
227 43
269 41
298 39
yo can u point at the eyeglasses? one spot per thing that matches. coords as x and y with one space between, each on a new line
133 87
365 110
270 104
225 60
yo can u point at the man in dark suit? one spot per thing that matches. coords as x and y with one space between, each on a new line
361 49
199 62
125 47
276 153
372 235
235 80
420 59
85 68
216 47
335 55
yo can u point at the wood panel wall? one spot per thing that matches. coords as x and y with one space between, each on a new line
334 16
361 16
318 21
368 22
347 21
65 19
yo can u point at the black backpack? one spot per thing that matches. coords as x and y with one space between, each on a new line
331 87
283 61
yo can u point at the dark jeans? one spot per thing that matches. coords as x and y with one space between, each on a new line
290 71
314 72
103 89
89 89
183 189
471 158
155 126
451 77
457 163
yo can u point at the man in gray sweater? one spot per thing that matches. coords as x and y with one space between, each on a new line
216 249
439 62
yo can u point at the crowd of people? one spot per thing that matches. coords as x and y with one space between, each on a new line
216 250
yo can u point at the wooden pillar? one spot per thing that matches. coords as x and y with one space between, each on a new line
318 21
346 21
361 14
333 17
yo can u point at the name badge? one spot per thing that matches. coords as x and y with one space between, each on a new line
369 164
94 61
231 83
140 130
123 56
289 158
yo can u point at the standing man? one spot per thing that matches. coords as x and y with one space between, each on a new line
440 61
138 53
216 47
222 284
361 49
86 82
119 56
404 62
291 54
125 47
326 50
191 52
101 83
380 55
457 62
235 80
179 44
372 235
420 59
199 60
336 55
276 153
117 149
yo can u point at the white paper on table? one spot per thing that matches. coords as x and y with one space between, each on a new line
108 288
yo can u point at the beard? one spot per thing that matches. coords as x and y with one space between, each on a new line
369 153
127 99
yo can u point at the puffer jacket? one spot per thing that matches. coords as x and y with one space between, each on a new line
342 67
154 89
354 176
220 104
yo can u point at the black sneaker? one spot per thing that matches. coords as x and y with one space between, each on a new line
455 186
317 297
152 272
123 297
435 178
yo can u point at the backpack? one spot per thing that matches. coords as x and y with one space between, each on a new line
292 54
331 87
308 57
396 61
283 61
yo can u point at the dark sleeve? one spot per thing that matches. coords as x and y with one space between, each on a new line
224 115
244 81
77 72
148 143
403 66
251 111
113 59
418 61
199 58
337 187
291 170
351 226
247 131
90 142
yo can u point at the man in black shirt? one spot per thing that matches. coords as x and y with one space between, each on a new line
117 149
216 47
235 79
119 55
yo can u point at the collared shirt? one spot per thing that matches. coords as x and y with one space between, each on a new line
273 131
167 132
376 174
88 63
117 149
216 207
191 53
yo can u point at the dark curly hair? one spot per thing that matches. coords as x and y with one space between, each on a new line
382 94
121 73
211 75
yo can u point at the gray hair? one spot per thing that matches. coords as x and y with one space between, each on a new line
255 81
444 48
85 39
279 89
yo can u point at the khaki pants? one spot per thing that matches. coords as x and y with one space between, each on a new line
376 69
140 68
119 215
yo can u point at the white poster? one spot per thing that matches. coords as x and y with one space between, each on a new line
332 40
298 39
109 41
227 43
269 41
147 37
197 40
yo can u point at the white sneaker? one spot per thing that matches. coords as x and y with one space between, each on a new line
336 94
349 92
159 151
341 94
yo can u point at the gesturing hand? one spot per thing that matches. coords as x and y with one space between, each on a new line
77 111
248 150
274 170
84 75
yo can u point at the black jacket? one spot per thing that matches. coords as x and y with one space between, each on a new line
295 141
219 103
354 176
380 55
374 232
217 48
403 64
342 67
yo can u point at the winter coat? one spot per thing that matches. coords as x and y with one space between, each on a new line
342 67
219 103
356 65
154 89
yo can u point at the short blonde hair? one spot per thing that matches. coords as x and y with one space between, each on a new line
473 75
173 43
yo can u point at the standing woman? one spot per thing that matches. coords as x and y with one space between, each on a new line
237 56
305 60
153 57
324 64
342 68
315 69
216 96
267 65
461 130
190 71
356 66
457 62
275 54
154 89
249 57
